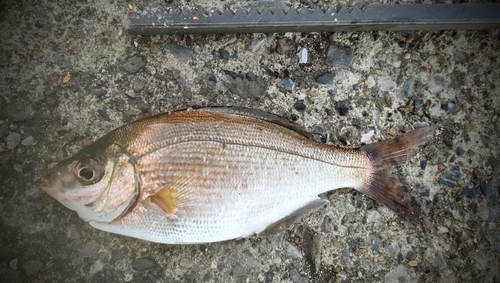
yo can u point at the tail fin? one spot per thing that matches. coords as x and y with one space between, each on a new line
387 188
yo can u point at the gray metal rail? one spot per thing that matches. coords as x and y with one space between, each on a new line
395 17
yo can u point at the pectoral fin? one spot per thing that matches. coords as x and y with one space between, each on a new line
174 195
288 220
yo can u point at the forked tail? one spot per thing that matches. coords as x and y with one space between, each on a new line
387 188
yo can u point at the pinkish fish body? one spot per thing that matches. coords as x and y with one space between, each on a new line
215 174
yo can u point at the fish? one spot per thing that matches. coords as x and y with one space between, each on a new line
220 173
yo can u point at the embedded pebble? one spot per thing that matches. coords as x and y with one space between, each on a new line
143 263
398 274
133 64
459 151
386 83
486 188
343 108
224 54
339 56
412 263
296 277
212 79
13 264
186 263
451 177
326 224
439 261
98 92
469 193
29 141
299 106
256 44
278 66
393 249
4 129
180 51
325 78
138 85
288 83
407 89
293 251
375 243
96 267
32 267
19 111
439 85
13 140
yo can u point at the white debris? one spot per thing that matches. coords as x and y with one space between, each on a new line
365 138
303 56
278 66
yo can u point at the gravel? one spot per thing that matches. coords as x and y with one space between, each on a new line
385 82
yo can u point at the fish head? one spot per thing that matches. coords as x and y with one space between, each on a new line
99 185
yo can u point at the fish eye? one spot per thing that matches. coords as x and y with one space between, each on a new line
88 172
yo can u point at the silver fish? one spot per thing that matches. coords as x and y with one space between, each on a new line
215 174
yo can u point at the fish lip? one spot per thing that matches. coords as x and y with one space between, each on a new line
53 185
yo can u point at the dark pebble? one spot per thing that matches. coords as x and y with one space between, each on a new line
423 164
32 267
345 256
212 79
486 188
319 131
358 123
417 104
425 193
469 193
375 244
116 254
349 218
133 64
224 54
473 224
342 139
341 57
180 51
450 177
19 111
143 263
296 277
325 78
355 86
343 108
104 114
459 151
4 129
288 83
299 106
402 44
453 107
354 244
269 276
326 224
98 92
27 167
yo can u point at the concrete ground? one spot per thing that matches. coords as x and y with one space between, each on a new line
69 73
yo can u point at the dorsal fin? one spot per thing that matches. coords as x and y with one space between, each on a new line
259 114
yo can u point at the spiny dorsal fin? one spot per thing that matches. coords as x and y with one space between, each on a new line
259 114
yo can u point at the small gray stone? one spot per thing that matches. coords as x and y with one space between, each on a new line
138 85
13 140
398 274
439 85
104 114
450 178
85 249
341 57
385 83
98 265
345 256
133 64
407 89
4 129
224 54
19 112
256 44
299 106
13 264
143 263
325 78
186 263
237 270
326 224
375 243
32 267
439 261
29 141
180 51
288 83
296 277
393 249
98 92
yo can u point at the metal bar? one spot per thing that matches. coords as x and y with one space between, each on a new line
387 17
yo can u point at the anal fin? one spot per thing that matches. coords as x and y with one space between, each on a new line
288 220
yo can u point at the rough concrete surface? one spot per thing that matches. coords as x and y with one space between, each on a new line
69 73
